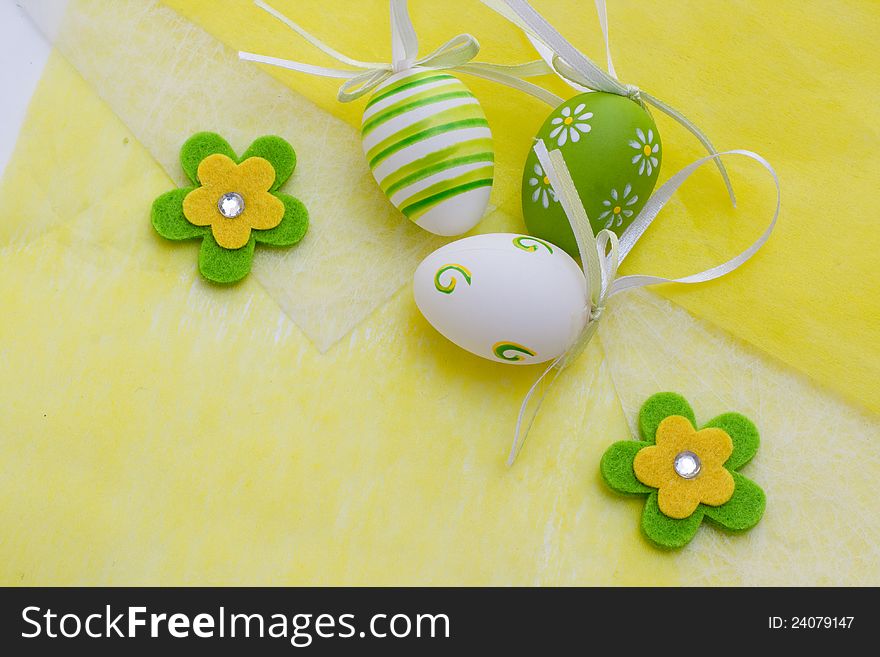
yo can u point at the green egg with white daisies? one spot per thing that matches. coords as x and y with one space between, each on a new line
613 151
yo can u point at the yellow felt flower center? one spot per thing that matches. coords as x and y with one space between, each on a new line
616 209
568 120
647 150
234 199
686 466
546 180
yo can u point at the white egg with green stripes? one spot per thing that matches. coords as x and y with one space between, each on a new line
429 147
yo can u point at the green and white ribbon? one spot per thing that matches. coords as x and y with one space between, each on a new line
583 74
602 254
454 55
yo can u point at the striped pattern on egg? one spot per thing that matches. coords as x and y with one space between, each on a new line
429 147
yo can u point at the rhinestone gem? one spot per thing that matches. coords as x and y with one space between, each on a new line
687 465
231 205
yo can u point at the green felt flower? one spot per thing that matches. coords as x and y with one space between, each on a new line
687 474
233 204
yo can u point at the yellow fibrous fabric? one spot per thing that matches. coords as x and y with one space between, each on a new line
679 497
157 429
167 79
251 179
817 463
810 296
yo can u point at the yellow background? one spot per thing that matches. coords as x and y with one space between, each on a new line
159 430
792 81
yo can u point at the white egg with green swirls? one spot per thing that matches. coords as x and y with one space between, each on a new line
506 297
429 147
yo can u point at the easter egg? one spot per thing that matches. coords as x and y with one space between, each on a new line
429 147
612 149
506 297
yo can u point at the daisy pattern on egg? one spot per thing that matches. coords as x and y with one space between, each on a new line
543 192
647 148
618 207
570 125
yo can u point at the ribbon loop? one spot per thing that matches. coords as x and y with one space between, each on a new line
609 259
404 42
360 84
456 54
602 10
459 50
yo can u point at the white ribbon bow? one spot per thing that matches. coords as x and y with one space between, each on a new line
585 75
456 54
602 254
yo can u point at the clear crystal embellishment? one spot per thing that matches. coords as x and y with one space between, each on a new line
687 465
231 205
